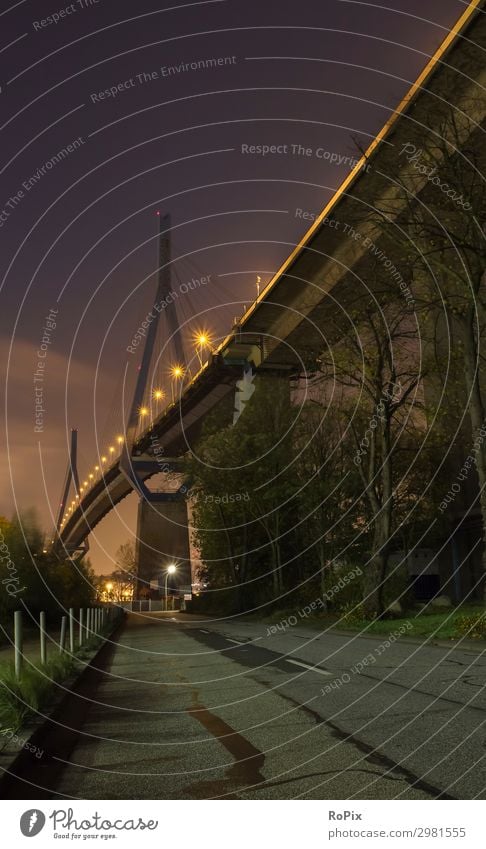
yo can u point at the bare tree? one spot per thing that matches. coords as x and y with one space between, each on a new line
377 365
124 576
440 234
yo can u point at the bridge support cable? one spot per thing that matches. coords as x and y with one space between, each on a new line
71 477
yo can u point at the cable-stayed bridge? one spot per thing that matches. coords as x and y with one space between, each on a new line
292 320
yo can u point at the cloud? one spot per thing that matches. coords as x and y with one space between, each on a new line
33 464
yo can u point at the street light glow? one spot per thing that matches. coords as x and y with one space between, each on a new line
171 569
201 340
159 394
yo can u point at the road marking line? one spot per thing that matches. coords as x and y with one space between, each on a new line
308 666
234 641
203 632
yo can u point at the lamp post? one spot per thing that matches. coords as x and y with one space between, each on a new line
158 395
202 341
177 373
142 413
170 571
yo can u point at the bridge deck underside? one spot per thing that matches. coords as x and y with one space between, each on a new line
172 434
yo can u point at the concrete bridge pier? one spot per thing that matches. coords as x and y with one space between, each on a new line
163 539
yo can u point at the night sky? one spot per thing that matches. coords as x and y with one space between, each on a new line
78 230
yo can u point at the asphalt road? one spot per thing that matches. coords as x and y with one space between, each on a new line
190 708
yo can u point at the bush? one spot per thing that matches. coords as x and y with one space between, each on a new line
218 602
342 584
471 627
352 613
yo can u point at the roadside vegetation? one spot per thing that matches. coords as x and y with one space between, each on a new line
375 448
22 699
32 578
466 622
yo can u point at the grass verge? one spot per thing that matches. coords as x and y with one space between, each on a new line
21 699
465 622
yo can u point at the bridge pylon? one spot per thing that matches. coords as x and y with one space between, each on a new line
162 523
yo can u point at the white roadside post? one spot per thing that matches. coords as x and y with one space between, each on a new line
71 630
81 626
18 643
42 634
62 640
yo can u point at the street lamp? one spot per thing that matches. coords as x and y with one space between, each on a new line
177 372
170 571
202 341
157 395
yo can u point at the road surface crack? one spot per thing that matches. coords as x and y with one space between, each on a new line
244 772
